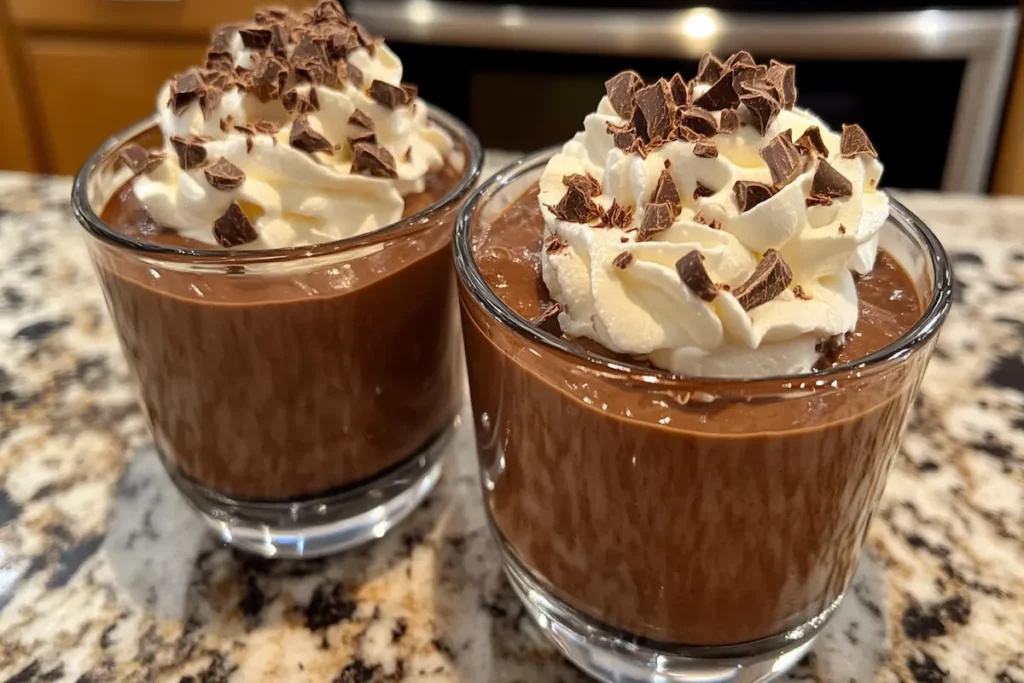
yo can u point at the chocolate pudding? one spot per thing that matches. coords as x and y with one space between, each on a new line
662 515
679 446
273 245
292 385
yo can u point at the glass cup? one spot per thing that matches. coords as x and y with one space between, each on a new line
680 529
301 398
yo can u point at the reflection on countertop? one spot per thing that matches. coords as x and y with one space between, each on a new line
106 575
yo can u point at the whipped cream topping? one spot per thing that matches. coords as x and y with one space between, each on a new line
292 192
642 304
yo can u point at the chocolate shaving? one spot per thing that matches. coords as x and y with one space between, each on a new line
782 157
140 160
264 127
799 293
224 175
656 103
587 184
719 96
782 79
621 89
770 278
255 38
811 143
305 139
185 89
575 206
622 136
268 78
728 121
305 102
411 92
622 260
616 217
855 141
701 191
387 95
547 320
555 245
830 182
190 150
842 229
688 134
714 224
233 228
697 120
249 132
327 11
680 93
657 217
363 136
373 160
220 62
209 100
220 40
709 70
749 193
762 106
278 41
705 148
695 276
359 118
639 125
818 200
829 349
739 59
666 192
227 123
348 71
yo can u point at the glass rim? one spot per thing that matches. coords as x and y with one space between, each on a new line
89 219
902 347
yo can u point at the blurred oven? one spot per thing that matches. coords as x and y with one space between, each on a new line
927 83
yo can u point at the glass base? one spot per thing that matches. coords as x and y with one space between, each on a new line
314 527
613 656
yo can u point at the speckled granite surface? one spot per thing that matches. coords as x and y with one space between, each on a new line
106 576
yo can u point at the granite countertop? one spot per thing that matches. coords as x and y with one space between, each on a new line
105 575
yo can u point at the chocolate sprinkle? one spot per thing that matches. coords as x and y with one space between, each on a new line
359 118
697 120
656 103
233 228
728 121
190 150
695 276
657 217
587 184
575 207
622 260
547 320
830 182
855 141
799 293
373 160
305 139
140 160
666 192
555 245
700 218
264 127
811 143
224 175
763 107
782 157
701 191
719 96
709 70
621 89
387 95
705 148
749 193
818 200
770 278
680 93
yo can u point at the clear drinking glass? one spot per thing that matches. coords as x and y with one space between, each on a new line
711 551
300 398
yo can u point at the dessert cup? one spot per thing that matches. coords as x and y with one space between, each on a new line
301 398
711 551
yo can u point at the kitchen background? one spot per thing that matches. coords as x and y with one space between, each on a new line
939 87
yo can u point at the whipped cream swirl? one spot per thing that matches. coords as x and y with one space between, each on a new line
291 196
640 305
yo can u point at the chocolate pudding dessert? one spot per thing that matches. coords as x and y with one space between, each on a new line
275 256
684 413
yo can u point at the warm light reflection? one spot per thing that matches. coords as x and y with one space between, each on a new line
699 23
421 11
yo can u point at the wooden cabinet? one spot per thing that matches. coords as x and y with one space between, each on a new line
73 72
